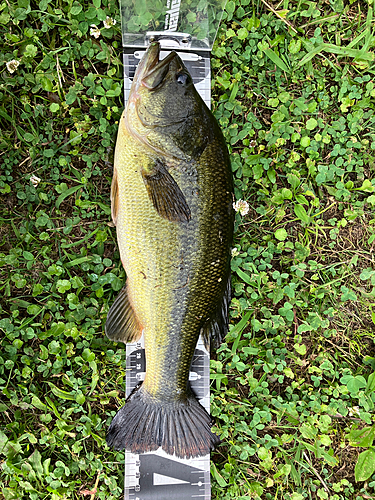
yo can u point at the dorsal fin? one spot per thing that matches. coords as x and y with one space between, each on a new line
217 325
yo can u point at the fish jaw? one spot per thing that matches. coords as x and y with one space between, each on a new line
148 61
151 71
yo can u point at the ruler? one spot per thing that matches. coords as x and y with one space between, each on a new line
157 475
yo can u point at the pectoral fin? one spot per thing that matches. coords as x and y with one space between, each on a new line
114 197
122 324
166 196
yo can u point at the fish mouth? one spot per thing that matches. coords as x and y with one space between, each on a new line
151 72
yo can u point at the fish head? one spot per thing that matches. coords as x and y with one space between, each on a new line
164 109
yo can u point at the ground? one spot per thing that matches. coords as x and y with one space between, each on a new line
293 385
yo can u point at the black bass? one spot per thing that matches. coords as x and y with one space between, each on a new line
172 197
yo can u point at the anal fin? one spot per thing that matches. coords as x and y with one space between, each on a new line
122 324
217 325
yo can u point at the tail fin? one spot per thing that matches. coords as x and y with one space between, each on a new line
144 423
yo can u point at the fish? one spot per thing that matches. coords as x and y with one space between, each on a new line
172 205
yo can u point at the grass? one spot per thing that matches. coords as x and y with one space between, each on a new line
293 386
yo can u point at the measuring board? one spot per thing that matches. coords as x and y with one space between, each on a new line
157 475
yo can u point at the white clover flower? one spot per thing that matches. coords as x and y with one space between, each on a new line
12 65
354 411
35 180
109 22
94 31
235 252
241 206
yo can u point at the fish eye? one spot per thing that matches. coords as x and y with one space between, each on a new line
182 78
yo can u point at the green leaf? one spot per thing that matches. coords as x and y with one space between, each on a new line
38 404
66 194
362 437
76 8
79 260
297 496
230 6
286 194
284 471
367 186
244 276
276 60
48 153
370 387
43 4
355 384
30 51
80 398
281 234
304 327
294 46
366 273
7 447
54 107
27 255
71 96
301 199
63 285
46 84
60 393
253 22
219 478
236 331
333 49
311 124
271 174
191 17
346 103
365 466
33 309
347 294
293 180
288 372
301 349
28 137
301 213
94 381
5 115
36 462
242 33
251 351
234 91
9 494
